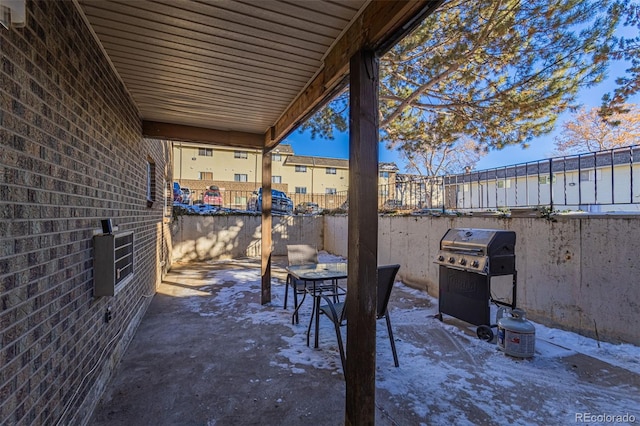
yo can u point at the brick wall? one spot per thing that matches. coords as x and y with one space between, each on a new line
71 154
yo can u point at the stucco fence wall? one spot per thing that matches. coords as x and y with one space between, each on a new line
575 273
229 237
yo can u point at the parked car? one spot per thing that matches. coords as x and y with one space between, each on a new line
307 208
392 204
212 196
280 203
177 193
186 195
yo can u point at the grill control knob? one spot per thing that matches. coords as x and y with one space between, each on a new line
441 258
452 259
463 262
475 263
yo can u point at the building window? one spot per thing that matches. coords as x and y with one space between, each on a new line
301 169
590 176
206 175
384 175
301 189
276 157
331 170
168 196
383 191
276 179
544 180
239 177
330 191
151 183
205 152
504 183
240 154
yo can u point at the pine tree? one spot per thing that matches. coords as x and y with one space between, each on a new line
628 49
487 72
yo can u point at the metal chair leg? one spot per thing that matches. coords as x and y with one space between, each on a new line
313 311
334 284
294 290
341 348
286 290
393 343
295 318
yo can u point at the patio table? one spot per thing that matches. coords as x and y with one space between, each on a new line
315 273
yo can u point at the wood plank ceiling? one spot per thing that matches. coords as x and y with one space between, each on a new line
235 67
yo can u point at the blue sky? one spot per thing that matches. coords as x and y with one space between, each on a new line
539 149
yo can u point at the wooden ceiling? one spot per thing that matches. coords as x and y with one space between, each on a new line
242 72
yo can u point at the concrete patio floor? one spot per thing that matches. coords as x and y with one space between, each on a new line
207 353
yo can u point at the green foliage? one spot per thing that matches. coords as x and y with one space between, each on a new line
627 48
547 212
179 211
495 72
335 212
325 121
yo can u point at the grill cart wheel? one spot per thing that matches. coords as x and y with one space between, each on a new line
485 333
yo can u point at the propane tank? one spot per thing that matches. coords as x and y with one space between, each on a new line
516 335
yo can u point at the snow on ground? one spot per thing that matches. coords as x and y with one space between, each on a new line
441 363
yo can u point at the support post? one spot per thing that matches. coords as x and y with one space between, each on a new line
362 240
266 245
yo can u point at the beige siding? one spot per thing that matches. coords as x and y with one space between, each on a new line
223 166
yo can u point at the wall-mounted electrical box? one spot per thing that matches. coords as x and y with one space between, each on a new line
112 261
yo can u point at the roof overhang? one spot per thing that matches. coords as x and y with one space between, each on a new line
240 73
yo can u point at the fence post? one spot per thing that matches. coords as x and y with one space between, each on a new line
631 174
595 178
613 187
579 180
551 184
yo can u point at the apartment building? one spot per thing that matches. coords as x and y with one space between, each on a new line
238 172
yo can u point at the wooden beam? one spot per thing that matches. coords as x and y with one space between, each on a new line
266 233
360 371
380 25
178 132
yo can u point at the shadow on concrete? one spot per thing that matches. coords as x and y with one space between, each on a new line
207 353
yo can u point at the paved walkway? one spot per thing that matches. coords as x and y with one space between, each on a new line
207 353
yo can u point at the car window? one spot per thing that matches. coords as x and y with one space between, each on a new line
274 193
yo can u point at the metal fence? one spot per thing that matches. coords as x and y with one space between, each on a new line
246 200
597 181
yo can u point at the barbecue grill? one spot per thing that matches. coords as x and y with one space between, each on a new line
468 259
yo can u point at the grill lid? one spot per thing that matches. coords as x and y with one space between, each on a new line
483 251
482 242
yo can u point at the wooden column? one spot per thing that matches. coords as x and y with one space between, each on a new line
363 240
266 228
